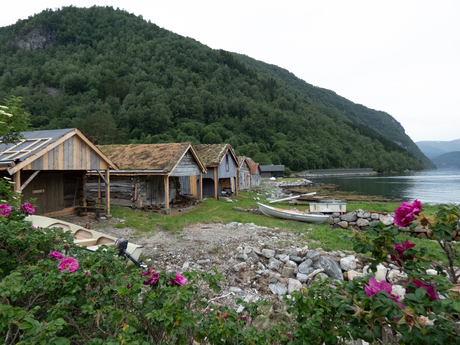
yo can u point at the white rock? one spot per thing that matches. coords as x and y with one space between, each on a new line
268 253
348 263
291 263
396 277
431 272
399 291
386 219
352 274
294 285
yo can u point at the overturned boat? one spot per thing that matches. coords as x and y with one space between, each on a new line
89 239
301 216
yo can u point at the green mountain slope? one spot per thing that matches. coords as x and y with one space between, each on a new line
449 160
380 121
120 79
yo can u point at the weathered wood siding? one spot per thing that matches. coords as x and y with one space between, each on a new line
72 154
244 177
227 167
187 166
127 190
255 179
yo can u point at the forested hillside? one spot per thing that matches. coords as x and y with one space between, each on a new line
121 79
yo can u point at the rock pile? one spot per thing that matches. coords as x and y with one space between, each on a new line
359 219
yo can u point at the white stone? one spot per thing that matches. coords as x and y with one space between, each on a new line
396 277
398 290
291 263
268 253
386 219
348 263
362 222
294 285
431 272
352 274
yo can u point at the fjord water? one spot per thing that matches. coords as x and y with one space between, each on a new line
431 186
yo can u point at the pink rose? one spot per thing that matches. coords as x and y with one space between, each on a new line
179 280
431 293
56 255
28 208
5 210
70 264
153 276
375 287
404 214
401 248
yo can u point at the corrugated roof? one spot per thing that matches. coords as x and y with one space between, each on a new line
265 168
146 156
34 141
213 154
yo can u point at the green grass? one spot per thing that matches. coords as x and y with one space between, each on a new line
212 211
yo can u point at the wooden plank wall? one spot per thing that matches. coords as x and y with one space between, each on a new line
123 190
72 154
187 166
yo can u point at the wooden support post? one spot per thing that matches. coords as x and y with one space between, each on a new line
236 181
215 183
107 192
166 191
28 181
84 179
201 186
17 181
99 197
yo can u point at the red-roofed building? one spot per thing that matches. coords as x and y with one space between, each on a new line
255 172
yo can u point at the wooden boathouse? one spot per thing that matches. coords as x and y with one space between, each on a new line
151 174
255 173
244 173
51 166
221 164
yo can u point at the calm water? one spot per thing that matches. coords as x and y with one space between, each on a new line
434 186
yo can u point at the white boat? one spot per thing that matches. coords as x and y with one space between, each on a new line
300 216
89 239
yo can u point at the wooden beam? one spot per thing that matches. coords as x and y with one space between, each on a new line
215 184
107 191
28 181
100 174
17 181
166 191
201 186
84 178
99 198
135 190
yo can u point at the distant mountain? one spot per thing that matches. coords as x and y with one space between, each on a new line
449 160
121 79
434 149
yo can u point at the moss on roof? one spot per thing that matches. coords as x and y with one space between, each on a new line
212 154
145 156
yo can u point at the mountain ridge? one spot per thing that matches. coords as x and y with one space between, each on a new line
120 80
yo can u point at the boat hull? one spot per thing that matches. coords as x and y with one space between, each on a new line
292 215
89 239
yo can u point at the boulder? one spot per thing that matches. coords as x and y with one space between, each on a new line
305 267
288 272
349 217
313 255
348 263
362 222
343 224
278 289
296 258
291 264
302 277
330 266
274 264
268 253
294 285
386 219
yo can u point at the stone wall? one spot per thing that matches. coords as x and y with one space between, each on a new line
359 220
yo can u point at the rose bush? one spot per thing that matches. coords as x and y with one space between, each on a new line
53 291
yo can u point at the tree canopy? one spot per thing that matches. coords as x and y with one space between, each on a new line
122 80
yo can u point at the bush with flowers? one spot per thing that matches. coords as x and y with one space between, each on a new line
54 292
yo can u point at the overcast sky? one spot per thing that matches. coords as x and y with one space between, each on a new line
401 57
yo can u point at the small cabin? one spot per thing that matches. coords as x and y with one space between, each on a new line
151 174
221 164
244 173
51 166
268 171
255 173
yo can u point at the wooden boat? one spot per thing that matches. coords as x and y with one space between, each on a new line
300 216
89 239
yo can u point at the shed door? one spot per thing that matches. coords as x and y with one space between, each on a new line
48 190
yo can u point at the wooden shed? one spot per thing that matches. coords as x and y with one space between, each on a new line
244 173
151 174
221 164
51 166
255 173
272 170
